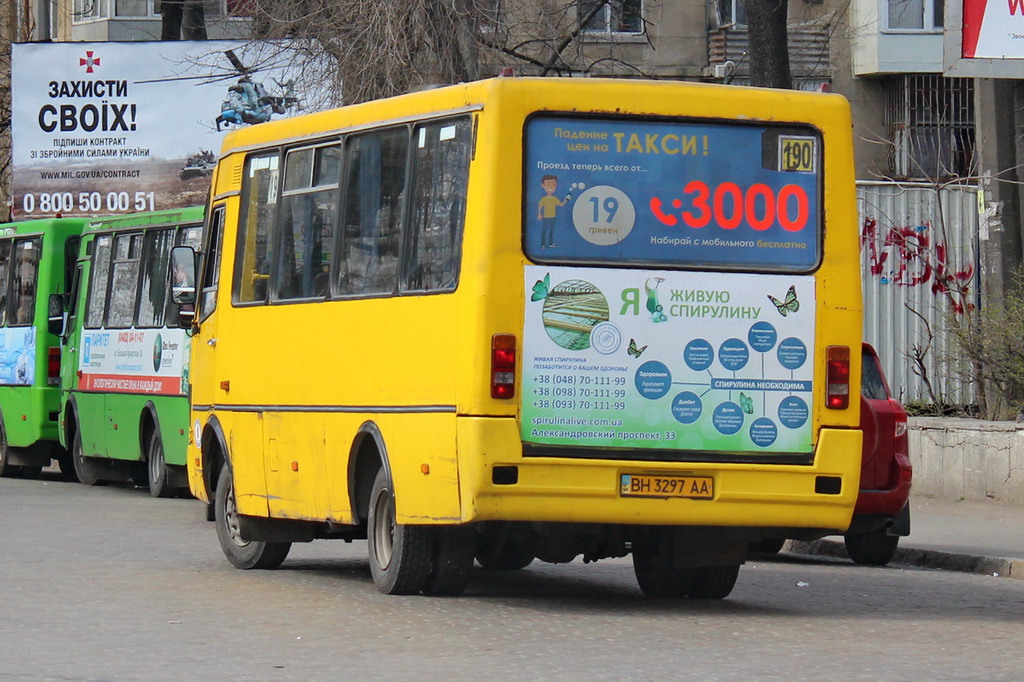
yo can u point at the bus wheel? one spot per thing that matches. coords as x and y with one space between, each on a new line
7 470
240 552
873 548
655 571
400 555
453 561
156 468
713 582
499 549
66 462
84 469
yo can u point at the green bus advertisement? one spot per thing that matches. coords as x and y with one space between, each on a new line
37 258
124 405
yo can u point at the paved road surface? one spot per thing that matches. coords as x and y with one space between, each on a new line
111 584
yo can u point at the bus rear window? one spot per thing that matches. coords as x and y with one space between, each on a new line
675 194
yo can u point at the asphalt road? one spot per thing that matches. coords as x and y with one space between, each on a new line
108 583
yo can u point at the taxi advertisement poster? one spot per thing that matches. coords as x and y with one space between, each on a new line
693 358
112 128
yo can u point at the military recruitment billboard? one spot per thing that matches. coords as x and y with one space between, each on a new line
112 128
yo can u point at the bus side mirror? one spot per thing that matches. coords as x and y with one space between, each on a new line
183 284
56 316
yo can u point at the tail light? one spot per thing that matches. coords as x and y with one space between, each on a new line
901 427
503 366
838 378
53 367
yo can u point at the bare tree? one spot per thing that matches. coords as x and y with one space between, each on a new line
355 50
769 44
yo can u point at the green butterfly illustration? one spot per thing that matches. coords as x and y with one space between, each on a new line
541 288
746 403
633 350
790 305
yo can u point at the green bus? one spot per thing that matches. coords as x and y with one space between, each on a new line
123 403
37 259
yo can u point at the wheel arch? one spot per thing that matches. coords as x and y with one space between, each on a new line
213 448
149 421
70 425
366 456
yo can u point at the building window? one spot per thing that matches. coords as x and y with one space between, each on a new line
930 126
87 10
612 16
914 15
731 12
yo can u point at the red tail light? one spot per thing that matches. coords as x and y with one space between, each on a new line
838 378
53 367
503 366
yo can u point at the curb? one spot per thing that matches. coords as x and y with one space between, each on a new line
922 558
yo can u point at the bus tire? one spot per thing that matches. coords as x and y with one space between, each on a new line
453 561
401 556
66 462
655 571
84 469
713 582
873 548
499 549
244 554
7 470
156 467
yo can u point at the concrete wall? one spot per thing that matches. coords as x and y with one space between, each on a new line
967 459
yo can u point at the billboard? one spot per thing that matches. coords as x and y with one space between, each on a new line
112 128
984 38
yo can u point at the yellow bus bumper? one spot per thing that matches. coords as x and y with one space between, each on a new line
587 491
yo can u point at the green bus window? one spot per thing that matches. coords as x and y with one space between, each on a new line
440 173
124 280
24 273
153 298
96 306
5 271
372 220
259 212
308 214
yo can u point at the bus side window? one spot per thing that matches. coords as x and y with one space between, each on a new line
96 306
5 270
439 178
154 295
372 218
124 280
308 215
23 281
255 243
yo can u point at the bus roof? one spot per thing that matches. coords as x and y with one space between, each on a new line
190 214
610 96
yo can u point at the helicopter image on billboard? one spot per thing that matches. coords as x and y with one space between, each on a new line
249 102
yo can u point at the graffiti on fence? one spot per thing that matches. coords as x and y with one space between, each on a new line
908 256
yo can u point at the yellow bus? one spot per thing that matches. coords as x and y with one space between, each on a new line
532 319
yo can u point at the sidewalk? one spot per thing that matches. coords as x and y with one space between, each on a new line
975 537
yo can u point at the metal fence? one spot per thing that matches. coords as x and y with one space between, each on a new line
919 258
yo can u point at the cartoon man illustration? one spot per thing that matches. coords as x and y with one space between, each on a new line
547 209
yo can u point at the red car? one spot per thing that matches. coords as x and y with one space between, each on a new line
882 514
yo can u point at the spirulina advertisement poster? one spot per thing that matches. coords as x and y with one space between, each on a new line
630 358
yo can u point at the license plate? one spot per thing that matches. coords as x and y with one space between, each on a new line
653 485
